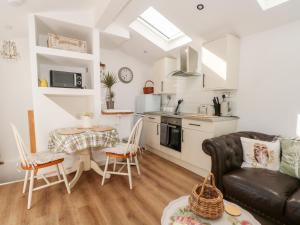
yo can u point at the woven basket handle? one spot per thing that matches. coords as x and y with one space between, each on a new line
149 81
212 181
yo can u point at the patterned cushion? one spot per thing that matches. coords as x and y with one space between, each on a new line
290 161
261 154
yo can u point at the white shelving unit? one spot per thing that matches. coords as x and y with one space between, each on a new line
66 91
59 107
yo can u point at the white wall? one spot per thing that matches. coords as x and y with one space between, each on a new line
269 96
124 93
15 100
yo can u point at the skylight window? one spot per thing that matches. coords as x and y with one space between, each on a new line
159 30
160 23
267 4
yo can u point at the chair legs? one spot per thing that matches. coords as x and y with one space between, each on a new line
105 170
57 172
30 188
137 165
128 162
115 164
129 173
61 167
25 181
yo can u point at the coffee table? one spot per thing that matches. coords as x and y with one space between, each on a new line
177 210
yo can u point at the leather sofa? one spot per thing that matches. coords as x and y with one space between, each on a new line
270 194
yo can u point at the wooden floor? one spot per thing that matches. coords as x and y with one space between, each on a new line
113 204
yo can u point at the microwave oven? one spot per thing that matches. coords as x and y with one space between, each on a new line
63 79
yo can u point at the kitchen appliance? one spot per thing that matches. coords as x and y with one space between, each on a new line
225 107
64 79
188 63
170 132
177 107
147 103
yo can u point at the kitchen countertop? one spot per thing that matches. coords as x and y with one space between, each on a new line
195 116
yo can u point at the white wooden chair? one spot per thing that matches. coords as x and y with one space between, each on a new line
35 162
125 151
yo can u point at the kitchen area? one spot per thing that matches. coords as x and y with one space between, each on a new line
189 104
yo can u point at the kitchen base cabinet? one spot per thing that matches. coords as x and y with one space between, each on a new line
194 132
192 148
152 134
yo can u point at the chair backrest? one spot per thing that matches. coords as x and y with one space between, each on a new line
21 146
134 138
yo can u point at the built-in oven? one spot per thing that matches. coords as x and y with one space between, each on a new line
170 132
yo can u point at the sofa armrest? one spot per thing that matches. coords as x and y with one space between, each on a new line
227 152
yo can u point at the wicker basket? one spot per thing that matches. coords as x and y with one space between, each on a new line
148 90
206 200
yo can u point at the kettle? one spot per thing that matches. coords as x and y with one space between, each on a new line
225 107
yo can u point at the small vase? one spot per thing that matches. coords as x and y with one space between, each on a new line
110 104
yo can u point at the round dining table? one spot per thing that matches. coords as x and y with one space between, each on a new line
81 142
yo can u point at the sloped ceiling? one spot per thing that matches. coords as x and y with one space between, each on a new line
239 17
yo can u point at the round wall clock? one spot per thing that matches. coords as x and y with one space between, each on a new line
125 75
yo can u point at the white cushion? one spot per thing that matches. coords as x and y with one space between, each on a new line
45 157
118 149
261 154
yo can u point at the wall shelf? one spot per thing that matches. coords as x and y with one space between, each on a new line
64 57
66 91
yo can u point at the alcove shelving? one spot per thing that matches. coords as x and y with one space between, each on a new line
59 107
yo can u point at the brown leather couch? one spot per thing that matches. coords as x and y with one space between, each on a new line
270 194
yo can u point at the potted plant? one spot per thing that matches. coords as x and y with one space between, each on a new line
109 79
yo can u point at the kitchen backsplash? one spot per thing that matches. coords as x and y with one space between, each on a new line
191 91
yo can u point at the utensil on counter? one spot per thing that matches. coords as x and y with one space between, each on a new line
178 104
217 106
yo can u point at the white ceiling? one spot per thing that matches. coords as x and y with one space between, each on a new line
13 20
239 17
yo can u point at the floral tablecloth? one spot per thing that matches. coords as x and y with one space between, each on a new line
76 142
177 213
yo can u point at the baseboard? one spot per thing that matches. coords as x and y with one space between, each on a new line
179 162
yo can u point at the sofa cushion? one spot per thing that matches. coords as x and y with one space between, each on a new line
260 189
292 210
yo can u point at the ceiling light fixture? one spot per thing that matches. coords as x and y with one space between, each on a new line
200 7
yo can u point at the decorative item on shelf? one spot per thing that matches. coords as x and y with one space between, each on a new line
125 75
148 90
86 120
206 200
43 83
8 50
108 80
66 43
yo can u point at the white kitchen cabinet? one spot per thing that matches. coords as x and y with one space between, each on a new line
163 82
152 134
220 59
191 149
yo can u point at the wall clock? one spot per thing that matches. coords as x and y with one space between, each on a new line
125 75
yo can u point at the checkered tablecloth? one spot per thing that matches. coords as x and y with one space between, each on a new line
76 142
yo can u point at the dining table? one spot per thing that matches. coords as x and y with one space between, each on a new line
81 142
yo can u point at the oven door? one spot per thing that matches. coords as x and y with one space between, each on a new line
174 137
164 134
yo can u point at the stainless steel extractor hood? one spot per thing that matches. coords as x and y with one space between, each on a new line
188 63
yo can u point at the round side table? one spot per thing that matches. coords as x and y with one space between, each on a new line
177 213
